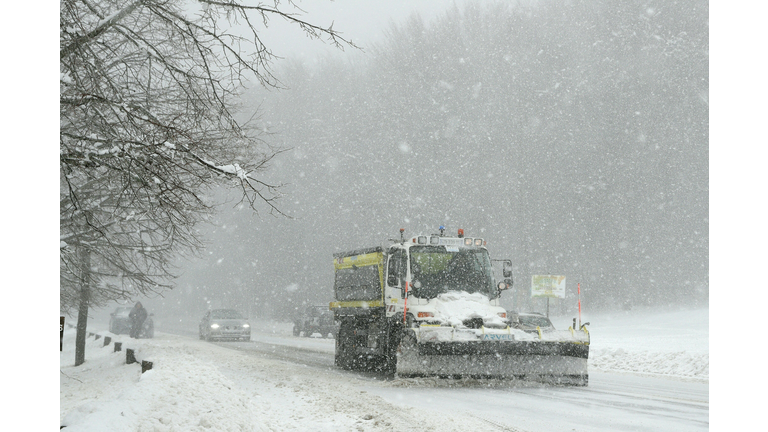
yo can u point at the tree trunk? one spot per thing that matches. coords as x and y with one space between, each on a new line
82 312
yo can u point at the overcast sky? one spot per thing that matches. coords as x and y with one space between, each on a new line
362 22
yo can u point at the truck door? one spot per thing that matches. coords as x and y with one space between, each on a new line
396 270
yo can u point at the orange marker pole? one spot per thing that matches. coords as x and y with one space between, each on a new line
405 304
579 288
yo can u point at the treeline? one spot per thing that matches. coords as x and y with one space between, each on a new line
572 135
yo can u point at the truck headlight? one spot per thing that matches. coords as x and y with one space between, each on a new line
246 325
214 326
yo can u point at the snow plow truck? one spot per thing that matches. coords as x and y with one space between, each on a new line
429 306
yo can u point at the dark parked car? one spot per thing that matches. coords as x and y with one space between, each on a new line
224 324
315 319
529 321
120 323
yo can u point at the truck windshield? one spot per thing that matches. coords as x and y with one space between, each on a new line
436 270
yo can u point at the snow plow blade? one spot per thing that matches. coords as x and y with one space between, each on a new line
560 360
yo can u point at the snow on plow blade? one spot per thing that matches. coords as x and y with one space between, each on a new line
557 358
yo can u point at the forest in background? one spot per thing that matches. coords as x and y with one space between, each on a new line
572 136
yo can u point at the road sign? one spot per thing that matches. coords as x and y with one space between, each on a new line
548 286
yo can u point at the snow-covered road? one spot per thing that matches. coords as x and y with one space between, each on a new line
612 401
280 382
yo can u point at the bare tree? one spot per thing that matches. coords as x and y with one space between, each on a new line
148 95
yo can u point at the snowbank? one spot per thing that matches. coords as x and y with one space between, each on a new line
678 364
190 388
182 392
671 343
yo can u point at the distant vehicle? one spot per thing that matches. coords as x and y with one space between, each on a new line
529 321
224 324
120 323
315 319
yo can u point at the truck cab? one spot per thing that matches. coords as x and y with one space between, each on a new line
423 271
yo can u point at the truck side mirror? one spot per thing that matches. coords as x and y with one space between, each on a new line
507 270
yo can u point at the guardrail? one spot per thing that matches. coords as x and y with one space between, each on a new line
130 353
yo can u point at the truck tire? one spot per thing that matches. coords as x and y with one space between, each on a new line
389 362
338 358
341 358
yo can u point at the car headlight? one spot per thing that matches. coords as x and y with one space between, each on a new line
214 326
246 325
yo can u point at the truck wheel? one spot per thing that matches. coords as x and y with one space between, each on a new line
342 358
338 358
389 363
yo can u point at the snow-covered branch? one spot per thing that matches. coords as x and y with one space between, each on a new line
148 96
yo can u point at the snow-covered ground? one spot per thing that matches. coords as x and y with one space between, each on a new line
674 344
200 386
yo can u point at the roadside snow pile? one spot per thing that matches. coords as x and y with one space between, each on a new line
198 386
180 392
677 364
672 343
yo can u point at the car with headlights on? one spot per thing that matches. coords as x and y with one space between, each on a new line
224 324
